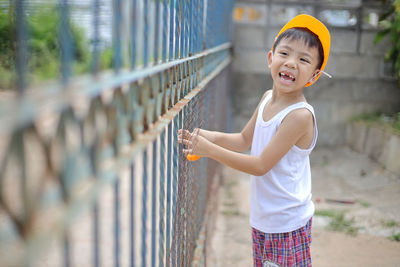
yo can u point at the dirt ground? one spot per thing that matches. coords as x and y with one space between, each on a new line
358 232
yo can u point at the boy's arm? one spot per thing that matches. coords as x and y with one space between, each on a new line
234 141
293 127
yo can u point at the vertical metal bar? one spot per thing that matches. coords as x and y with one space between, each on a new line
179 192
175 183
96 227
67 249
22 53
172 30
117 34
96 37
196 25
157 33
164 31
146 33
132 215
204 24
184 28
153 204
65 41
162 200
191 26
144 208
116 222
177 28
169 165
133 34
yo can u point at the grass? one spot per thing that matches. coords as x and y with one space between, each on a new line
390 223
363 203
338 221
395 237
391 121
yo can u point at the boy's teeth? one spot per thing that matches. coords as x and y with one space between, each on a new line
287 75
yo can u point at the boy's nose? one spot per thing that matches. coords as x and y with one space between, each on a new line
290 63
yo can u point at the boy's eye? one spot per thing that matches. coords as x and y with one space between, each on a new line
305 60
283 53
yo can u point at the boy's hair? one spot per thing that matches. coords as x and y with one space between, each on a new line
309 38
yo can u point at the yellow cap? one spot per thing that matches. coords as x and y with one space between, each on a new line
318 28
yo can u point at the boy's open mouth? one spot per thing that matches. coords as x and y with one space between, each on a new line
287 76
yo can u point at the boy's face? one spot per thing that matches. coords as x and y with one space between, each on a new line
293 64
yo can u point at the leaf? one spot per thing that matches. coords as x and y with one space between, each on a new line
380 35
386 14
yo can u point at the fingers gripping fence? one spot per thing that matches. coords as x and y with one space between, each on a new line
91 173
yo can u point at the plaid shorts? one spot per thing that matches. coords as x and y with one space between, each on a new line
283 249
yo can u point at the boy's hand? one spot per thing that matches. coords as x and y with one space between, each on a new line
194 143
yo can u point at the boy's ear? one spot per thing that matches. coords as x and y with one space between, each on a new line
270 57
314 76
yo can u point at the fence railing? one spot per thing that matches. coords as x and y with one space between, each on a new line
90 169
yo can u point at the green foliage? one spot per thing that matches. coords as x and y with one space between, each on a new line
325 213
338 222
395 237
43 46
390 223
390 23
391 121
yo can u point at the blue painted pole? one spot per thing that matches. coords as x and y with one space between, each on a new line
133 26
175 186
65 41
67 249
169 189
178 36
96 38
144 209
116 223
161 226
172 29
153 204
146 33
22 53
164 31
96 227
157 33
132 216
117 18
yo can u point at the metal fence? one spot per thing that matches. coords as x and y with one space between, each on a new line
90 170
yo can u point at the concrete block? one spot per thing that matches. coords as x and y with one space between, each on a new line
250 60
343 41
357 141
375 141
370 48
393 156
249 36
355 66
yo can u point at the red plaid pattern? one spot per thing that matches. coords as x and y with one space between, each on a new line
286 249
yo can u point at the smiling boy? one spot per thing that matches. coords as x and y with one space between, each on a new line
282 133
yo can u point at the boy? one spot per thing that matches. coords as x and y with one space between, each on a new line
282 133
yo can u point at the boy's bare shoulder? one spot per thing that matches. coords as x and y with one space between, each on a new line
301 117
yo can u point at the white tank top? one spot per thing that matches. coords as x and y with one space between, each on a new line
280 200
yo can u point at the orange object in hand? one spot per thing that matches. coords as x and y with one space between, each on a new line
191 157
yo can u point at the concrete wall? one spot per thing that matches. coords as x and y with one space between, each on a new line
361 79
377 141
